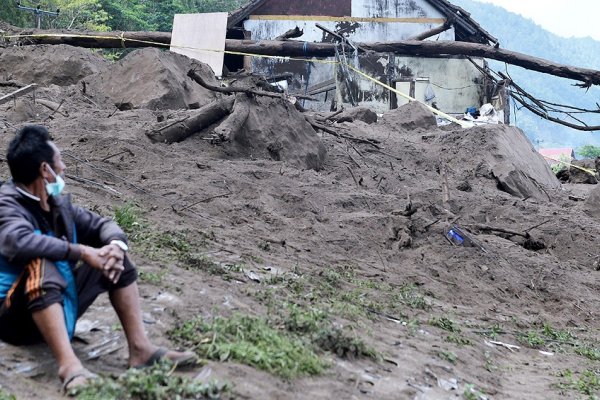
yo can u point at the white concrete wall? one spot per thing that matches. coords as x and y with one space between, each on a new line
365 32
456 82
417 16
394 9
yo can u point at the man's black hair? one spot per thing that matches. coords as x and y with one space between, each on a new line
27 151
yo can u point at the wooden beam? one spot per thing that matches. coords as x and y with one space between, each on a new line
18 93
292 48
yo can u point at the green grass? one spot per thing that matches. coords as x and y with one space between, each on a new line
128 217
337 341
459 340
157 382
5 395
447 356
532 339
154 278
251 341
317 326
445 324
592 353
472 393
586 383
304 319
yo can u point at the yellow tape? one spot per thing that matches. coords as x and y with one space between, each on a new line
464 124
589 171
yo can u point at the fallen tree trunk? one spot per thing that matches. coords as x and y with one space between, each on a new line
420 48
177 131
292 48
106 40
236 120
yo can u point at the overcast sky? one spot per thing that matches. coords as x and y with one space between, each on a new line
566 18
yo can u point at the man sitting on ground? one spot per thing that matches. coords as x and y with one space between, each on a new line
56 258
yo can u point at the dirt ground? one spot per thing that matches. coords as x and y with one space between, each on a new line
380 212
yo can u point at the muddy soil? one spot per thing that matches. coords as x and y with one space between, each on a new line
380 211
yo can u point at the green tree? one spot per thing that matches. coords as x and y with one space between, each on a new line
74 14
127 15
11 14
589 151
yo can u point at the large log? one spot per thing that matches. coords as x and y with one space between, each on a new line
176 132
291 48
420 48
236 120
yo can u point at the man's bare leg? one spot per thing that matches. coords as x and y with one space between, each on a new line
126 302
51 323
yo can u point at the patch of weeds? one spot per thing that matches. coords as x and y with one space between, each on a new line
154 278
157 382
445 324
556 334
531 339
490 366
472 393
264 246
459 340
128 217
274 279
256 259
332 278
297 286
587 382
265 296
409 296
304 320
333 339
447 356
236 267
175 242
5 395
346 310
202 262
493 332
412 325
251 341
592 353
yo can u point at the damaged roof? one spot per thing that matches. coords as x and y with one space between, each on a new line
466 29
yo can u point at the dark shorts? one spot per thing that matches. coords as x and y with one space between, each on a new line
40 286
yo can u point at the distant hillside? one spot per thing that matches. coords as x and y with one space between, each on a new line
523 35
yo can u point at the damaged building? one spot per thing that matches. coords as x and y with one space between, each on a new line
452 84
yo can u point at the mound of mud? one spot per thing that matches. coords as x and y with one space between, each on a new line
410 116
153 79
502 153
354 114
46 64
276 130
573 174
592 205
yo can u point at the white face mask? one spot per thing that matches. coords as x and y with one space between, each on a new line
56 188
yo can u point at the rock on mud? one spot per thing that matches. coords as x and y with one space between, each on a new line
154 79
411 116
